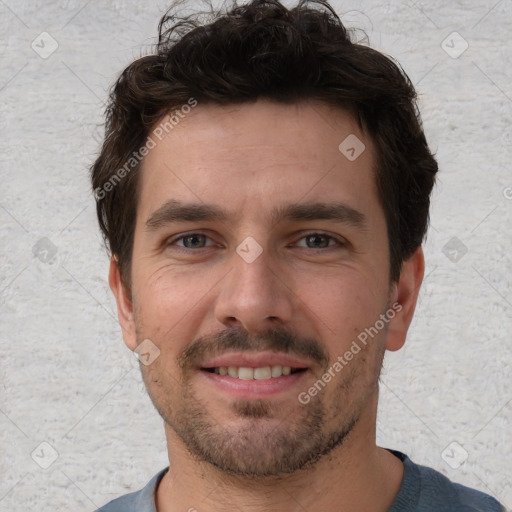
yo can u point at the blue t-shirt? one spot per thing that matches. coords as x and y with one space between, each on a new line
423 490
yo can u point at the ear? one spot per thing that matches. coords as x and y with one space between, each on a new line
124 304
405 294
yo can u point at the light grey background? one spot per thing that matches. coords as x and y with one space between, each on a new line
66 377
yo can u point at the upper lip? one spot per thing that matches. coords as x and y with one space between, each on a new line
255 360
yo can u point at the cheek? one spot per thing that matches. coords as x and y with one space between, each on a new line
345 302
167 292
170 303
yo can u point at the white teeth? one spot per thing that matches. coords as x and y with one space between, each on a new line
262 373
246 373
277 371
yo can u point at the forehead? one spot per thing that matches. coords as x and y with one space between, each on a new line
249 157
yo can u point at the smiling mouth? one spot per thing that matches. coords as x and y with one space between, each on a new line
259 373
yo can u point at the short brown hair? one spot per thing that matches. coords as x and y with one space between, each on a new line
263 49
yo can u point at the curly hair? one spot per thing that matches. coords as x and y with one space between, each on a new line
263 49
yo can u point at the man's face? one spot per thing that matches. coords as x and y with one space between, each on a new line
294 271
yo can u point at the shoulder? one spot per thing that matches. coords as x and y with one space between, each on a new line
438 488
124 503
139 501
430 491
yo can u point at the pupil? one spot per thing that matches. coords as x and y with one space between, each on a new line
192 237
315 238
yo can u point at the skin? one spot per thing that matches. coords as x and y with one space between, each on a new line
268 453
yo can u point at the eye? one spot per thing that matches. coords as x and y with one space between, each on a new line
320 241
191 241
313 240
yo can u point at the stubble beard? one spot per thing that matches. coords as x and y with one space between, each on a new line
260 443
254 438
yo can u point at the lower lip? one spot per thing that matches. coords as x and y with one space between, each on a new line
241 388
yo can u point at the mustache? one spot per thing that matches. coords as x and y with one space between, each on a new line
275 340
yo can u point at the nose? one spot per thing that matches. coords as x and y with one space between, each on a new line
254 295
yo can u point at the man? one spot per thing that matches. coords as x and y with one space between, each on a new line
264 191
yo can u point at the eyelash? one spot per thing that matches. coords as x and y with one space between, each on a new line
340 242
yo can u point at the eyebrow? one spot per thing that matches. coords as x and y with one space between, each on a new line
173 211
337 212
176 211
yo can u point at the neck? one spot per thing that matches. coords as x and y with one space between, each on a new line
358 475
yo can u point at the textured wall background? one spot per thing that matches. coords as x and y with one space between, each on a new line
68 381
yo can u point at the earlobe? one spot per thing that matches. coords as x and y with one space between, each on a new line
405 294
124 304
